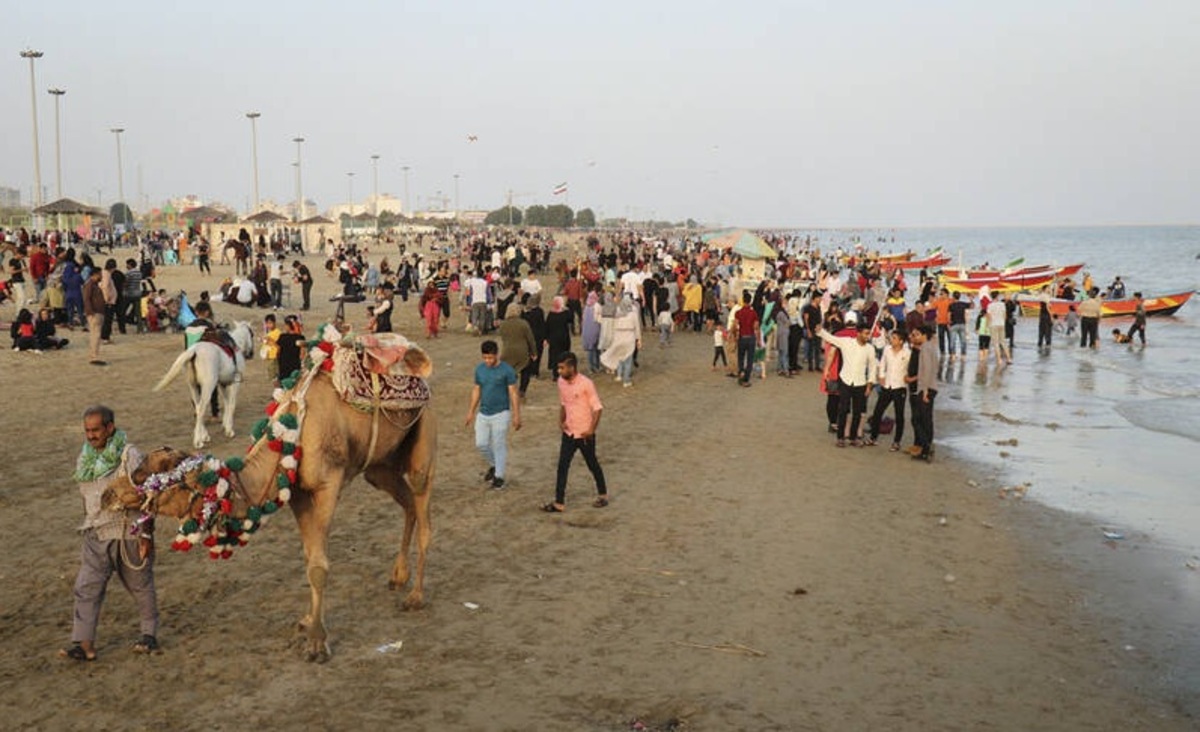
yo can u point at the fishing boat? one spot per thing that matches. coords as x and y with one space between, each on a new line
936 259
1161 305
957 273
999 283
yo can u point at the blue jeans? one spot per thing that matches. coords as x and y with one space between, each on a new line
958 332
491 439
625 370
593 358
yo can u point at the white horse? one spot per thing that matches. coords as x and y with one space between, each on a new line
208 367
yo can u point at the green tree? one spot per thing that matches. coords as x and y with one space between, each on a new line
504 216
536 215
560 216
691 224
585 219
388 219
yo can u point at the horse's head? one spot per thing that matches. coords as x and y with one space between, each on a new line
243 335
122 491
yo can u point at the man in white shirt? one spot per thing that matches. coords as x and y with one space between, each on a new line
476 289
997 313
275 281
855 378
631 282
893 368
530 285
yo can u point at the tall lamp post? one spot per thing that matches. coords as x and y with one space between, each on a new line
120 170
253 117
350 193
33 55
456 195
375 172
57 143
299 186
407 204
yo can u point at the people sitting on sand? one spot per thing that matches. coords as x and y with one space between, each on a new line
29 334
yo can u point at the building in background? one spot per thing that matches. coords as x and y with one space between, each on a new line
10 197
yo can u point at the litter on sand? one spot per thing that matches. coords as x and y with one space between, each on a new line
392 647
470 606
1113 535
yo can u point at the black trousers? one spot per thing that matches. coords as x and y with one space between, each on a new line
923 421
852 402
745 354
795 335
566 452
1045 330
894 398
1089 332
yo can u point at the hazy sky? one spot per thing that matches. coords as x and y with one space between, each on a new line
752 113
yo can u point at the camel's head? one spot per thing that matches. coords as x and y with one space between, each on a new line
122 491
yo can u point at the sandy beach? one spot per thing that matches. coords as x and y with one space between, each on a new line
747 576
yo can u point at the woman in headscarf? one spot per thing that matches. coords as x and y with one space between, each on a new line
536 317
558 332
431 309
693 299
589 332
627 338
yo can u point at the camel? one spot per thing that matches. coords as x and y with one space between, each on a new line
336 441
210 367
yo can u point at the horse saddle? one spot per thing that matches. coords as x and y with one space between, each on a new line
222 340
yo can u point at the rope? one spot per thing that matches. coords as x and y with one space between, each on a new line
124 553
375 386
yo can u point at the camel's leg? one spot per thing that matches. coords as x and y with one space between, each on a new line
387 478
314 513
421 449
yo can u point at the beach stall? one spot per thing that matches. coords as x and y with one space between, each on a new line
750 247
314 231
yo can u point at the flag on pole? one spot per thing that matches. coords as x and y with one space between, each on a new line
560 189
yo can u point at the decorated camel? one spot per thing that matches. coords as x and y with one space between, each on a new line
359 406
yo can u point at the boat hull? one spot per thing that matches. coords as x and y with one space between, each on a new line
1155 306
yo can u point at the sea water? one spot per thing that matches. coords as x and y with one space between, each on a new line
1112 433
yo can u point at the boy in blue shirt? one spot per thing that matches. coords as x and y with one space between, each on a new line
494 406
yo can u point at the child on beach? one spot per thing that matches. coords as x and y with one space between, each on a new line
1072 319
666 325
270 348
719 346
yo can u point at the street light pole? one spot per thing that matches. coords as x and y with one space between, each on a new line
375 171
407 205
350 193
253 117
33 55
57 143
456 195
299 186
120 170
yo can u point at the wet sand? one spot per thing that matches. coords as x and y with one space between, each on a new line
746 576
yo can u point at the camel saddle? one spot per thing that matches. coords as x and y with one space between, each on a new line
382 371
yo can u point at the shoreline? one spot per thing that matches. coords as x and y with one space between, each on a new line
727 504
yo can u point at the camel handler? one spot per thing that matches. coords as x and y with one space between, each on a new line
108 544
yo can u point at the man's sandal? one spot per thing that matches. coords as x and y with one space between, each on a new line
148 644
551 508
600 502
76 653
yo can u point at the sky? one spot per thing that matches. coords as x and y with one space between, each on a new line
753 113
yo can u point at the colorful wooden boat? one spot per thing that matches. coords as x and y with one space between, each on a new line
1161 305
1003 283
933 260
956 273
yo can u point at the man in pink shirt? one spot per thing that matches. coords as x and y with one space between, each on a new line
578 415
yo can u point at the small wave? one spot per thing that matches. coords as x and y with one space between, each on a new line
1176 416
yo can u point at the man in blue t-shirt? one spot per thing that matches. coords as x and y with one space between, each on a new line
494 405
